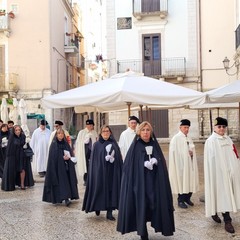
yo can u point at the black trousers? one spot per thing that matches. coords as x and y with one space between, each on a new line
184 197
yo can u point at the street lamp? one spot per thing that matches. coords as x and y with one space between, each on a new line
226 63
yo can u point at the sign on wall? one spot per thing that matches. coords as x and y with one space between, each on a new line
124 23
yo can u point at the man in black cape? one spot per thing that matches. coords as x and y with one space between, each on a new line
144 198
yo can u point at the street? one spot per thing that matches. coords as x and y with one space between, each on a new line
23 216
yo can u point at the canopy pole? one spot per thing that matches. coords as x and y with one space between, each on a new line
147 113
141 112
129 108
210 116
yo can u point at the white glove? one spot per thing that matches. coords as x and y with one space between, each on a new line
108 148
153 161
148 165
27 140
4 140
109 158
25 146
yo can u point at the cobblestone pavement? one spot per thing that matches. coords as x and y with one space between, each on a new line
23 216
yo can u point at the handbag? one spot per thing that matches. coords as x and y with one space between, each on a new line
28 152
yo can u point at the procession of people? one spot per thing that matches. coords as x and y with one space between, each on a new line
128 179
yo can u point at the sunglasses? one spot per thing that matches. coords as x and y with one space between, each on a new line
221 126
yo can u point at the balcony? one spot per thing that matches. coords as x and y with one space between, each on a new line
8 82
71 45
167 67
5 24
145 8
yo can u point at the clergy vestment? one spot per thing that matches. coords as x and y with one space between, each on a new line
125 141
221 175
84 136
183 169
39 144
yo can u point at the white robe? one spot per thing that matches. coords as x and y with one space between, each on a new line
222 175
125 141
39 144
82 138
183 169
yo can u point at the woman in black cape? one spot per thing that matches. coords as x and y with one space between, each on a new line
4 135
61 179
145 190
104 175
17 167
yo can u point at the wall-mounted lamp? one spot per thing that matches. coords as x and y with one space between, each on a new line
226 63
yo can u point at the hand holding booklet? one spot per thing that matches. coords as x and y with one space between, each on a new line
67 153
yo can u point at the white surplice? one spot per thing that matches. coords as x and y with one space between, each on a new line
39 144
82 138
183 169
221 175
125 141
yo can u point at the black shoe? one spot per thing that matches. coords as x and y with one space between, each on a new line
216 218
97 213
109 216
182 205
67 202
189 202
144 238
229 227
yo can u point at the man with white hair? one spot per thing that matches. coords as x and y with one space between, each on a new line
183 169
221 175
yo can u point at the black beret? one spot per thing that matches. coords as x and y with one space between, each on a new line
90 122
133 118
59 122
220 121
43 122
185 122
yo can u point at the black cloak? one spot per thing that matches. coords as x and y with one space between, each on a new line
15 162
2 151
145 194
60 180
104 178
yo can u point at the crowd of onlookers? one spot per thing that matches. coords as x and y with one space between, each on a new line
129 175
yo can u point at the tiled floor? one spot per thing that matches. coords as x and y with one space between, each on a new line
23 216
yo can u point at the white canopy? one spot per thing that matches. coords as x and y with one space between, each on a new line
114 94
229 93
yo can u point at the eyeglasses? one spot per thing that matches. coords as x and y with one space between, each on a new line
221 126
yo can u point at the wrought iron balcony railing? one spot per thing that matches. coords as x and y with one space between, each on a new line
142 8
4 22
71 44
169 67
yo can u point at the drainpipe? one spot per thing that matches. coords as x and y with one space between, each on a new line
200 66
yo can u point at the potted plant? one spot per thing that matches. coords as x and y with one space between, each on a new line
2 12
11 14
